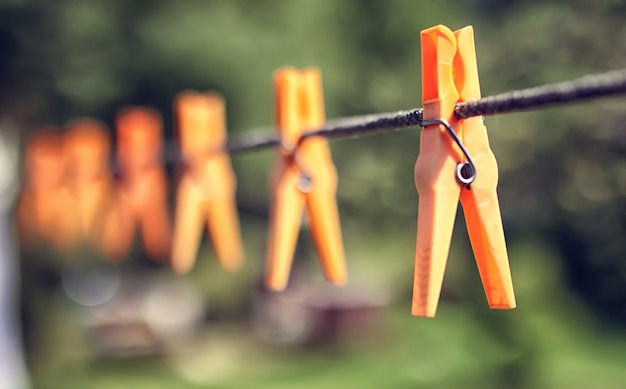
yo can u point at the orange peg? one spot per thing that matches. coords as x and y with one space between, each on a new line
88 146
206 193
142 195
442 177
46 209
303 174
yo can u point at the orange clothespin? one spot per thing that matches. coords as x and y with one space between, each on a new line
303 174
45 209
88 147
455 161
206 191
141 199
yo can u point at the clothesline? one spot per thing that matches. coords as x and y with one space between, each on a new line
588 87
584 88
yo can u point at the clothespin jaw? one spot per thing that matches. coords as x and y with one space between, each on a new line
201 123
450 75
206 192
304 175
139 133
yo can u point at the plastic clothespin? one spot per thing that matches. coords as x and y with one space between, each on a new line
303 175
88 146
45 209
206 192
141 200
445 172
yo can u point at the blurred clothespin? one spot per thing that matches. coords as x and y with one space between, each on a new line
206 192
88 146
455 161
303 175
45 208
141 201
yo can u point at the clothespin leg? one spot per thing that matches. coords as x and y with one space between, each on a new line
325 229
65 231
25 219
117 229
155 229
438 202
484 221
489 246
224 230
285 221
188 226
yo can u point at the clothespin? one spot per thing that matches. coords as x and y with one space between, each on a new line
88 147
206 192
141 200
303 175
45 209
455 162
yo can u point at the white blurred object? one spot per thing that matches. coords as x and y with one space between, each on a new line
13 374
172 308
91 284
148 314
8 166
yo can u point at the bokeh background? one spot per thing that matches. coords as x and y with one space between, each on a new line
88 323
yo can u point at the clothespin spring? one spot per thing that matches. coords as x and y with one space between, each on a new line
305 184
465 171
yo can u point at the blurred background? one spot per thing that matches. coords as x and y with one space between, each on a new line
87 322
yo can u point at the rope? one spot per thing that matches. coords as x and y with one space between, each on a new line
336 128
585 88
